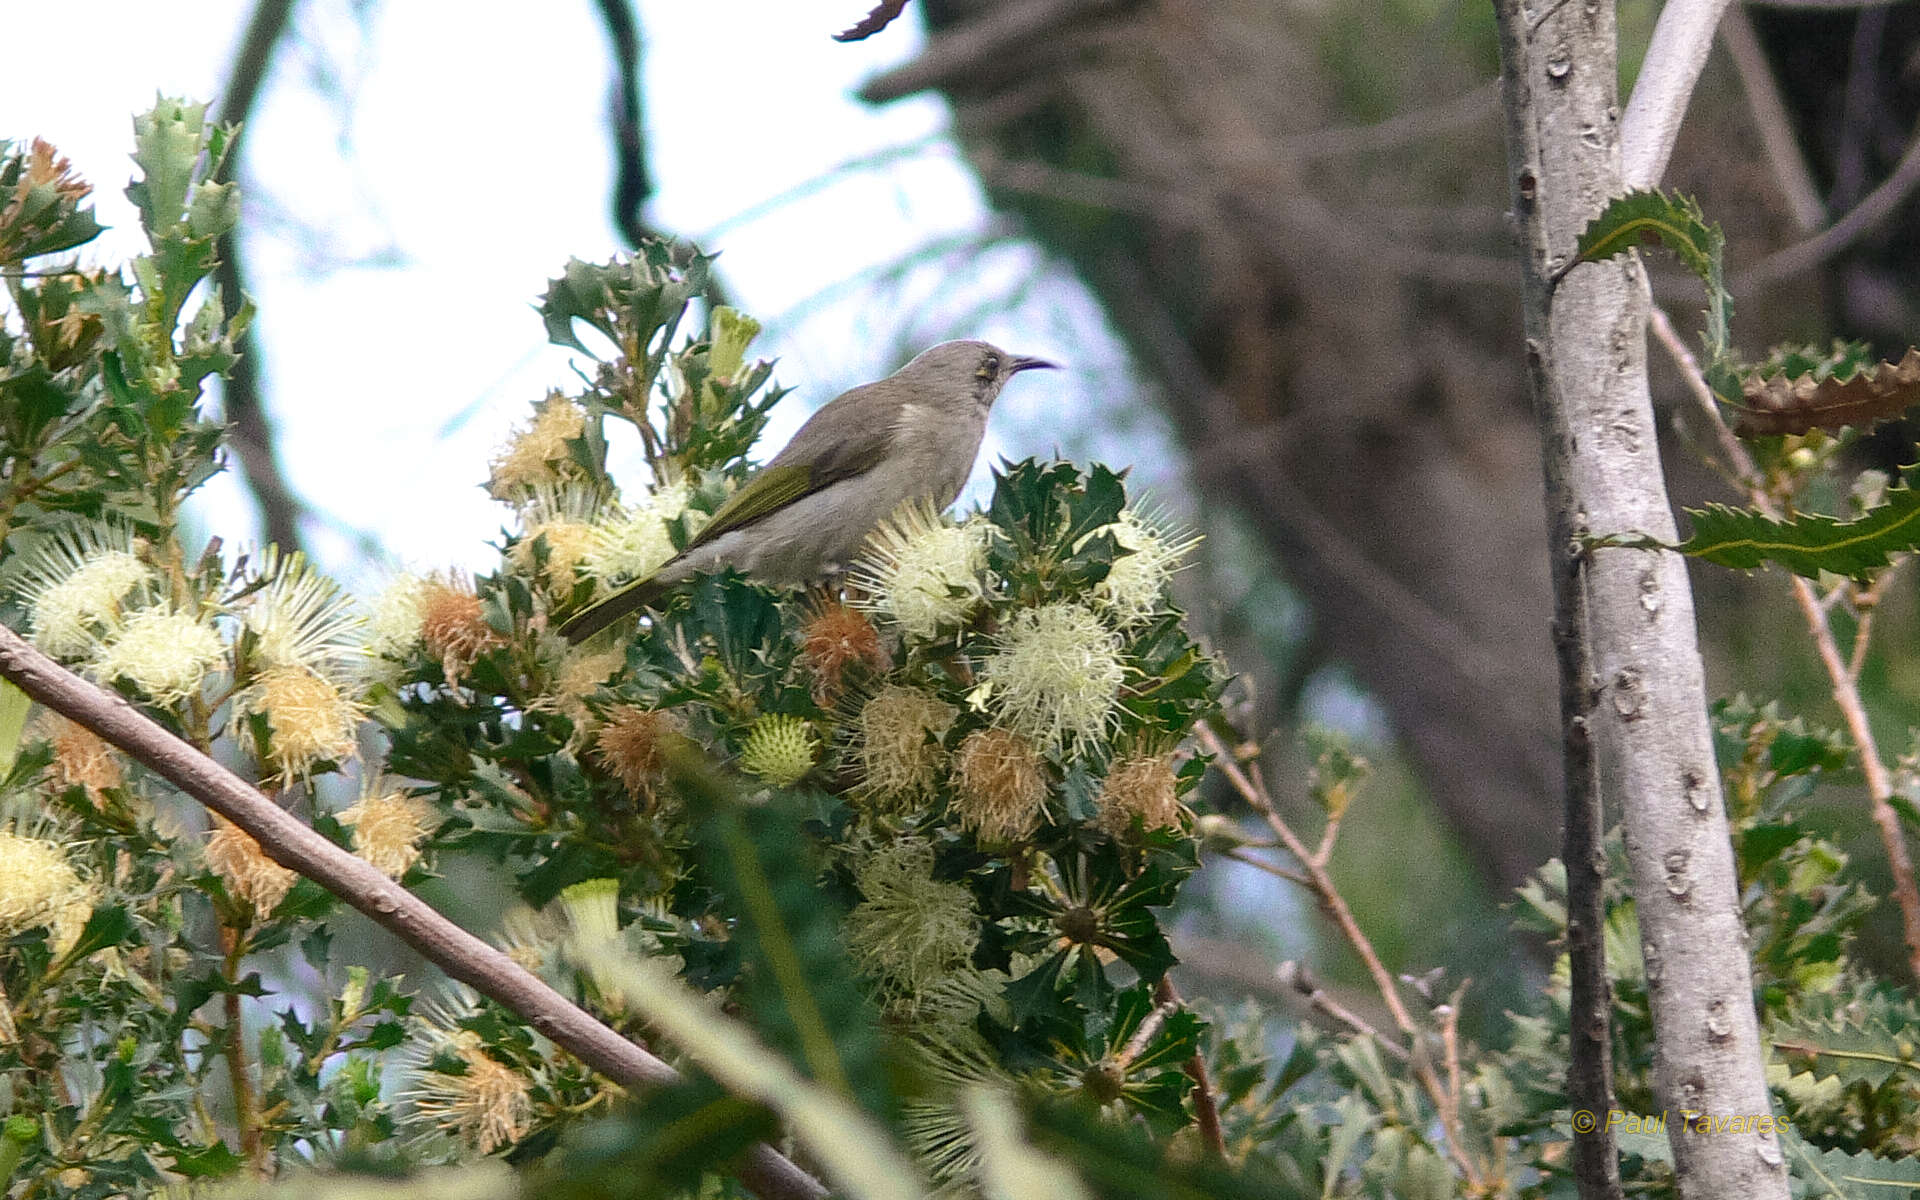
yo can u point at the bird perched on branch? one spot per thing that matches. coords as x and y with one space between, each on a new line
910 436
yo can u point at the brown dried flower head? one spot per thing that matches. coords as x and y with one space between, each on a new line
488 1107
630 745
453 627
834 638
245 868
81 758
898 743
1001 785
1139 785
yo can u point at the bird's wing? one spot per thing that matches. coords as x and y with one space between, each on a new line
818 457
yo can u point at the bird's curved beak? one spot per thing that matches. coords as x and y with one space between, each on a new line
1020 363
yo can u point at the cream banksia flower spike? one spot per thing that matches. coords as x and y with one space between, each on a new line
630 540
245 868
921 572
488 1105
1132 590
166 652
388 826
562 514
1056 676
39 887
910 929
301 618
536 453
74 583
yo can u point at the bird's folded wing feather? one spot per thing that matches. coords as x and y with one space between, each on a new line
809 463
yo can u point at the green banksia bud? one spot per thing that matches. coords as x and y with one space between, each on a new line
733 331
779 749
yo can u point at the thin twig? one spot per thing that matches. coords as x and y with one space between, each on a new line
1873 208
1770 119
1328 894
1296 977
1841 675
299 848
246 1114
1238 854
1681 38
1206 1109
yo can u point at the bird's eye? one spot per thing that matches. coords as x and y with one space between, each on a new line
989 367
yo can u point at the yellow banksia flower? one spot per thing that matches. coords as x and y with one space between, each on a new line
898 742
74 584
1133 587
833 638
924 574
310 720
560 519
780 749
39 888
488 1106
1143 786
1056 677
81 757
536 454
1000 785
164 652
245 868
631 745
388 826
579 674
631 541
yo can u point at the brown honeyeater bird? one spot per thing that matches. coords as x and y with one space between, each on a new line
911 436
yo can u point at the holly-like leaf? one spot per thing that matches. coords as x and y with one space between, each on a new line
1677 223
1807 545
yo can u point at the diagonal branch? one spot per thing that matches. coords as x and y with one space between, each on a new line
299 848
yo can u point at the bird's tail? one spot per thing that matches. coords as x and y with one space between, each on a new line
591 620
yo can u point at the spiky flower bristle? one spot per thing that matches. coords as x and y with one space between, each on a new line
1057 675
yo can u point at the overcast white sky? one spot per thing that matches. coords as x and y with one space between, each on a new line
418 171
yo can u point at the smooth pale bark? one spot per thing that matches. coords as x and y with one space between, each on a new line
1645 696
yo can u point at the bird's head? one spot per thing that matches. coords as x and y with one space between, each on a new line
974 369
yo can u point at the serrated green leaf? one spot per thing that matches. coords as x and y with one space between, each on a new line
1677 223
1807 545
